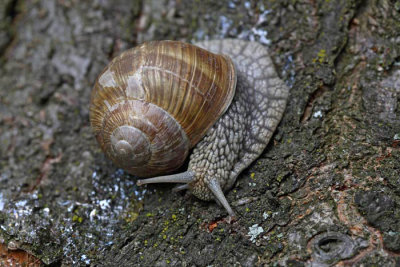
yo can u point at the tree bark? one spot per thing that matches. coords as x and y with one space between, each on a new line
326 191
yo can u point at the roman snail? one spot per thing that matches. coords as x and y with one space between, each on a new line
154 103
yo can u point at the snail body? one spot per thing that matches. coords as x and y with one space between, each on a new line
156 101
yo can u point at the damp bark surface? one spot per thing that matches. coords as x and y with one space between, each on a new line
326 190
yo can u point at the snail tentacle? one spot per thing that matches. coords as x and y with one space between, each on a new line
184 177
180 188
215 188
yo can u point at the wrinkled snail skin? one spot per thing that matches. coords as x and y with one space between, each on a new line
240 135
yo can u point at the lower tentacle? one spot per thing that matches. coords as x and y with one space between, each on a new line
215 188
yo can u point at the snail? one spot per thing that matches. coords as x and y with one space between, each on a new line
156 102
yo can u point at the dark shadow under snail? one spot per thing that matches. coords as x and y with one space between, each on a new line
155 102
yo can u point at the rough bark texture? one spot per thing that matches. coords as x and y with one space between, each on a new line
326 190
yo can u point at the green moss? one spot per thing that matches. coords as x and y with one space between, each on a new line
77 218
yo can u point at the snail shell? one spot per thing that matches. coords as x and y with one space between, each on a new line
154 102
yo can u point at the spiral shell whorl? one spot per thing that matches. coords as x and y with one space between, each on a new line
142 138
130 146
